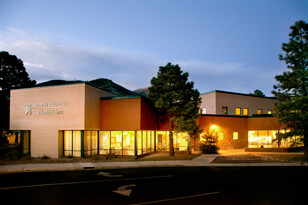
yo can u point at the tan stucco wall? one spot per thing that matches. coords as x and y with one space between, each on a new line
92 107
74 114
214 101
208 101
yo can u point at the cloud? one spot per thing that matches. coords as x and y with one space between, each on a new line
131 69
46 61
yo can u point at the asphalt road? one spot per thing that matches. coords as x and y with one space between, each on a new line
177 185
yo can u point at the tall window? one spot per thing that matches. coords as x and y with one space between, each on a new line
224 110
139 142
26 142
90 143
259 111
104 142
245 111
116 142
238 111
128 142
72 143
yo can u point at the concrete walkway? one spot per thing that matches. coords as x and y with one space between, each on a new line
202 160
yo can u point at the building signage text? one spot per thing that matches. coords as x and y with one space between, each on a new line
53 108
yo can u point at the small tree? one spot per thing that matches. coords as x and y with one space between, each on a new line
257 93
13 74
291 90
173 95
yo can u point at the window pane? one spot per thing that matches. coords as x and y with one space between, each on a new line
144 140
238 111
182 141
68 152
224 110
104 142
116 142
139 143
203 110
77 143
245 111
129 142
259 112
87 143
94 142
152 140
235 135
161 141
26 142
148 141
220 135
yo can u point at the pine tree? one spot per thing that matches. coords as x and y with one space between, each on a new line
173 95
291 90
13 74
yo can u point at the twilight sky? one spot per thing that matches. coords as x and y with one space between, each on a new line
222 44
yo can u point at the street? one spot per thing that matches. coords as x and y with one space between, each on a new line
157 185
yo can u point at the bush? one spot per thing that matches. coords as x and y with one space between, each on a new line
208 148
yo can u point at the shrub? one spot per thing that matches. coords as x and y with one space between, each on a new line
209 146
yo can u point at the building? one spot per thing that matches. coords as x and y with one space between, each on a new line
229 103
79 120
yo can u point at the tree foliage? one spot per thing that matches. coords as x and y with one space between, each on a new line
173 95
13 74
258 93
292 87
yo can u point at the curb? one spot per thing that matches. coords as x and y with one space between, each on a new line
93 166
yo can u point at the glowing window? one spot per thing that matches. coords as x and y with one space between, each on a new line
104 142
238 111
235 135
72 143
116 142
128 142
245 111
139 142
220 135
259 112
203 110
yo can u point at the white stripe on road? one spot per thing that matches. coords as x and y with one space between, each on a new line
177 198
82 182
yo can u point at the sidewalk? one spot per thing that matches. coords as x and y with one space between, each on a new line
202 160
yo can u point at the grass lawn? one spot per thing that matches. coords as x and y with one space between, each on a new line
102 158
262 158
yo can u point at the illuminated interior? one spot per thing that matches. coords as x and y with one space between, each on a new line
128 142
72 143
90 143
261 138
162 140
104 142
238 111
235 135
120 142
116 143
180 141
245 111
266 138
